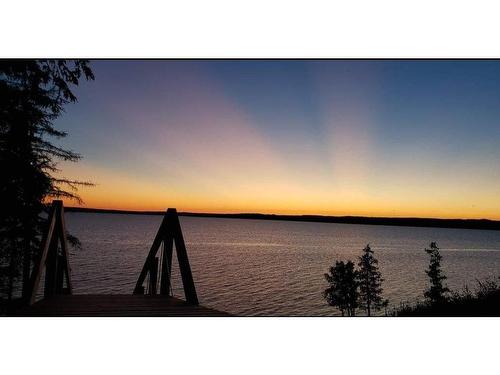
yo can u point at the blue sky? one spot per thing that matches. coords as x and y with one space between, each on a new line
396 138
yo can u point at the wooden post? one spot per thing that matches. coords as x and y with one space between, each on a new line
182 257
169 233
51 269
60 275
65 253
166 269
153 276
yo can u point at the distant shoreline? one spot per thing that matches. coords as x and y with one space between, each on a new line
484 224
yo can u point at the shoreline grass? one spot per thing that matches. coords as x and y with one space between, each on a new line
484 301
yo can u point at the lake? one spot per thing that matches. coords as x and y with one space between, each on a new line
274 268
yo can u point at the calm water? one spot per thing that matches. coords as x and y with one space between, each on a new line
253 267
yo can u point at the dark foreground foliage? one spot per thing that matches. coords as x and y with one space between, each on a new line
33 94
483 301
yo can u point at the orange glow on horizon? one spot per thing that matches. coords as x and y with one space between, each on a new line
123 193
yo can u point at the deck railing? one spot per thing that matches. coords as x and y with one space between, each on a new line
53 257
169 234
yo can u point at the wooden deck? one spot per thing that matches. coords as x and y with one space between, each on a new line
116 305
151 295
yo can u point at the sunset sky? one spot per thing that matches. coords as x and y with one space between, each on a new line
375 138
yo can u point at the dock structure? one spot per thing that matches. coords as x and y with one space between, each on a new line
152 295
116 305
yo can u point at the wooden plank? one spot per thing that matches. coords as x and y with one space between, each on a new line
65 253
60 274
51 266
166 265
182 257
153 276
46 241
116 305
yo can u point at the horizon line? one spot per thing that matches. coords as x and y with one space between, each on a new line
484 224
159 212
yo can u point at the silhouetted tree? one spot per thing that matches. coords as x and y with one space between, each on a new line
33 94
385 305
437 291
370 282
343 290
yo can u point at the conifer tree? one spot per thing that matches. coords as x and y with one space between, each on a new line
33 94
437 291
343 290
370 282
